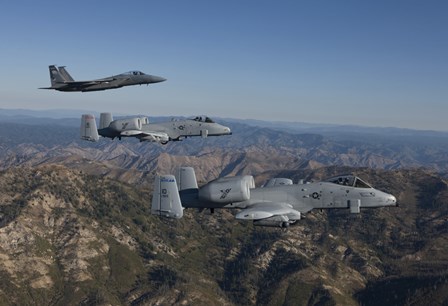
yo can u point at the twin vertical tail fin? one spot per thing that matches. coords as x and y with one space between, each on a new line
88 128
65 75
55 76
165 199
186 178
105 120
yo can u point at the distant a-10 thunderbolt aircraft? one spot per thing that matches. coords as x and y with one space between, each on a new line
141 128
279 203
61 80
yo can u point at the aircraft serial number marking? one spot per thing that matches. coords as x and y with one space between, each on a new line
167 180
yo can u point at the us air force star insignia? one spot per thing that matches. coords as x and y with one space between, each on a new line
181 127
315 195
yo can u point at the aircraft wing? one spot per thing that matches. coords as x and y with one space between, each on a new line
76 84
105 80
146 135
88 83
264 210
108 80
130 133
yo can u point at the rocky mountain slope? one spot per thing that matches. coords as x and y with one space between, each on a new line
248 149
68 237
75 226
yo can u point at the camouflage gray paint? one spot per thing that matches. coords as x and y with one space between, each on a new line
61 80
141 128
278 204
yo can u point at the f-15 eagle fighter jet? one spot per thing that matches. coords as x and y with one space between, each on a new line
61 80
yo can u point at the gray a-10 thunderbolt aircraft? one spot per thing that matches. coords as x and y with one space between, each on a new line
141 128
61 80
278 203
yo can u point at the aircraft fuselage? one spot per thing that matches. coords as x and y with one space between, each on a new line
303 197
176 130
61 80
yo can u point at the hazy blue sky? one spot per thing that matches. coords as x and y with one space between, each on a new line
374 63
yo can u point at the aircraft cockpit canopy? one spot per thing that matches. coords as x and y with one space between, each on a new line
134 73
349 180
202 119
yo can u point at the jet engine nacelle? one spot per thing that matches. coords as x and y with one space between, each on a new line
228 189
126 124
144 120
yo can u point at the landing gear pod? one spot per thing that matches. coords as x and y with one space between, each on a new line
276 221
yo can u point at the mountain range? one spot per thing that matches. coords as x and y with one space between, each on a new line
258 147
75 226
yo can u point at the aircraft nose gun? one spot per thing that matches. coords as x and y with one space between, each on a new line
394 200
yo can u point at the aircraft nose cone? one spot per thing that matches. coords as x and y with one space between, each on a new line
157 79
392 200
228 131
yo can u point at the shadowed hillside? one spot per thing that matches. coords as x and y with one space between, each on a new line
68 237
